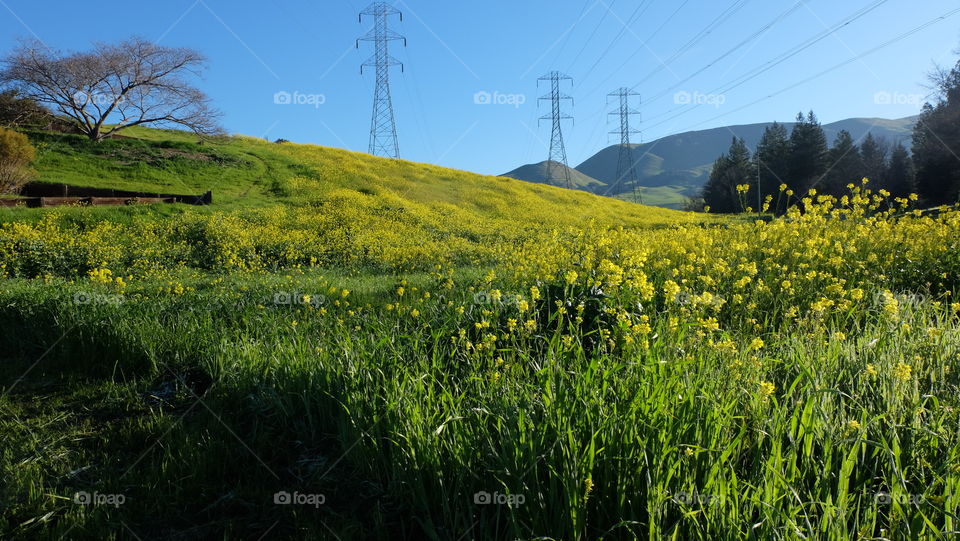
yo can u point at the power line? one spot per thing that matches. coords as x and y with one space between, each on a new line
638 51
736 6
594 33
732 50
856 58
720 19
566 40
645 5
776 61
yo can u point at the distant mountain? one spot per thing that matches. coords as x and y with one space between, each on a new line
537 172
677 166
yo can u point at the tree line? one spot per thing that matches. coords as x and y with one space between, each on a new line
786 165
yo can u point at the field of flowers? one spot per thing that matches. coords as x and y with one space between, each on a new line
352 371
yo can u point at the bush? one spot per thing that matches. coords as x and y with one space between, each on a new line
16 155
17 112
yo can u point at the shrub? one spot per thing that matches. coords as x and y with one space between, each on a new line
16 155
17 112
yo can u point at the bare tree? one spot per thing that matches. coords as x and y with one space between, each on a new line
114 87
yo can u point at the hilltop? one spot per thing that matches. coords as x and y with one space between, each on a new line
537 172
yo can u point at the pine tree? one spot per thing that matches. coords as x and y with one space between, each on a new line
773 155
900 173
936 143
845 166
808 153
729 171
874 152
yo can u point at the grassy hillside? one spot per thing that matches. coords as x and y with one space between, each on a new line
285 205
671 197
245 172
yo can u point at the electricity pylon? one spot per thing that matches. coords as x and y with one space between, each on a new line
383 126
626 166
558 152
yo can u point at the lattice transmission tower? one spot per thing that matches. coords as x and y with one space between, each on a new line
557 168
383 126
626 165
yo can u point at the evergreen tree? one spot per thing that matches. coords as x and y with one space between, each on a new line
729 171
845 166
936 143
808 154
773 155
874 152
900 173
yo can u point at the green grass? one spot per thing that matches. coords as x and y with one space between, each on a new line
405 339
385 416
671 197
165 161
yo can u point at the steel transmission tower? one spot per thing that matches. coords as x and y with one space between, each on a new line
383 126
626 166
557 168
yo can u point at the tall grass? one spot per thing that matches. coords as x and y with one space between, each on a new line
612 385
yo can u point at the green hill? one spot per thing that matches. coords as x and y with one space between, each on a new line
537 172
245 172
288 205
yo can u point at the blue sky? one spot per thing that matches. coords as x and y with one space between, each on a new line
458 49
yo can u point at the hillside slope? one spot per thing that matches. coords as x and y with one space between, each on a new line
289 205
245 172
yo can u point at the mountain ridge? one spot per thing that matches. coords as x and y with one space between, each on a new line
677 166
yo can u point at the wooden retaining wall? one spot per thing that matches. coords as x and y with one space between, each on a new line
40 194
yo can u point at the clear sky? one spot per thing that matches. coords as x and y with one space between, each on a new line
671 51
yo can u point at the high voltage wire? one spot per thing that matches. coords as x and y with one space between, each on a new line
653 35
776 61
645 5
720 19
566 40
897 39
640 50
594 33
563 46
731 10
736 47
